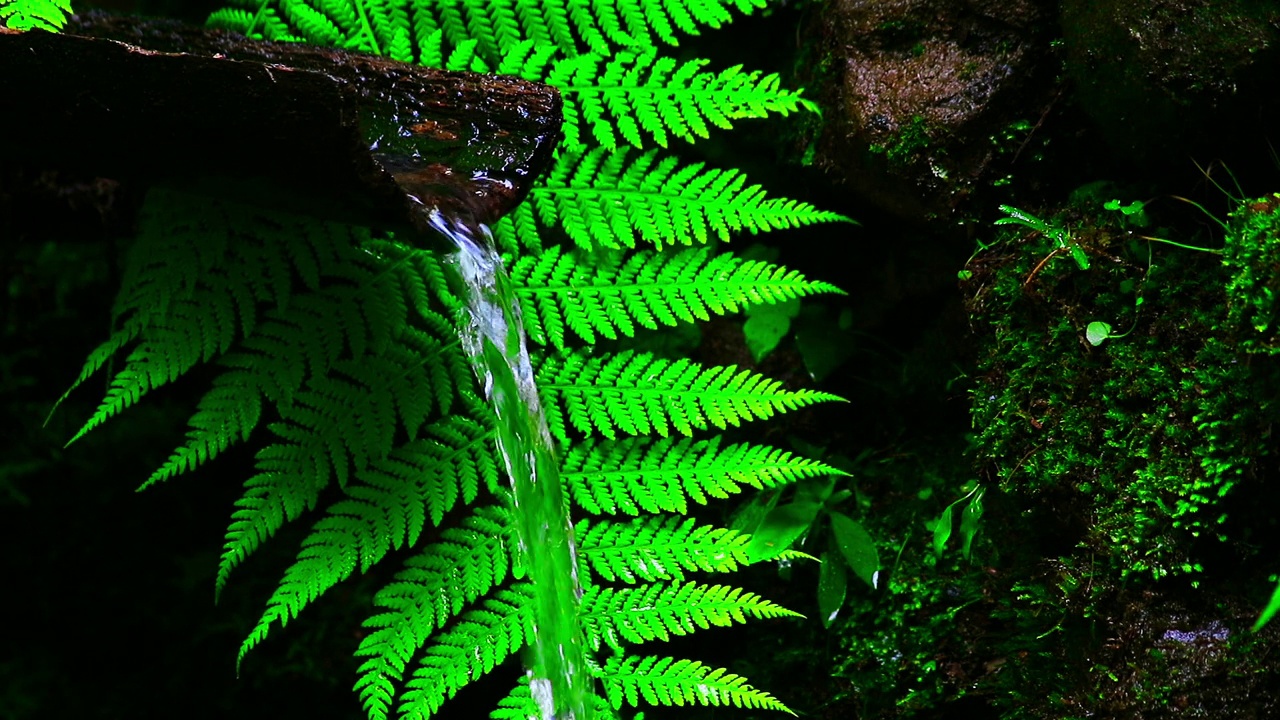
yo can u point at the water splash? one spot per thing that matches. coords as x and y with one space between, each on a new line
495 342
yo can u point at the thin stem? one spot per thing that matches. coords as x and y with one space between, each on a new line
1215 251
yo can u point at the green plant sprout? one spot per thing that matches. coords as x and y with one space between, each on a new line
1134 213
970 519
1060 235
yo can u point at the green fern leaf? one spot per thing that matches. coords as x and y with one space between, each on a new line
195 279
471 647
668 681
639 94
435 585
633 476
659 548
658 611
603 198
396 495
270 500
639 394
49 15
650 289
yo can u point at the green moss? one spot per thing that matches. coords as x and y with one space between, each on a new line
911 140
1253 260
1142 436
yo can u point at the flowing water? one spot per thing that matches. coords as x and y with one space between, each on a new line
495 343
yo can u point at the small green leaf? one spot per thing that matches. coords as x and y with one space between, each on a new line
766 325
822 340
964 274
1269 612
969 523
942 531
833 582
781 527
858 548
1097 332
1081 259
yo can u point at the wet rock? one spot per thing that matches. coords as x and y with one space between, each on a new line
914 90
1163 79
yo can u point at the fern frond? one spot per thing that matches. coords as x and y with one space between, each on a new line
605 198
639 394
270 500
195 280
659 548
559 290
396 495
659 610
628 97
668 681
388 509
49 15
471 647
633 476
418 369
435 585
495 26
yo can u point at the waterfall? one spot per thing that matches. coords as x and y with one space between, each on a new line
494 339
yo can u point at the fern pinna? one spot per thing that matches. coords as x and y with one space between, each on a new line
338 354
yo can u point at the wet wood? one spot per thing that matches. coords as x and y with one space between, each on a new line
339 135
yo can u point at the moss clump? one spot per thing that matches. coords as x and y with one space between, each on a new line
1141 436
1253 260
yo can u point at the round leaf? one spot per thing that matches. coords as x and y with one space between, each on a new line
1097 332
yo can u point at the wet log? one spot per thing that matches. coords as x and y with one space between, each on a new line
335 134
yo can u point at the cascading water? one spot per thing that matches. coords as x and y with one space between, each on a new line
495 342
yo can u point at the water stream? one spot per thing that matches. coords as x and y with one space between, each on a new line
495 342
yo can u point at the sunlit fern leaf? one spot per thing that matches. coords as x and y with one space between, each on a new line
435 585
628 97
659 548
311 23
394 496
49 15
497 26
607 198
668 681
657 611
558 291
632 476
640 394
481 639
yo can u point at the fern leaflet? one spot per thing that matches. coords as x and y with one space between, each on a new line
659 610
605 198
48 15
397 494
668 681
639 394
471 647
659 548
558 292
468 562
634 476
